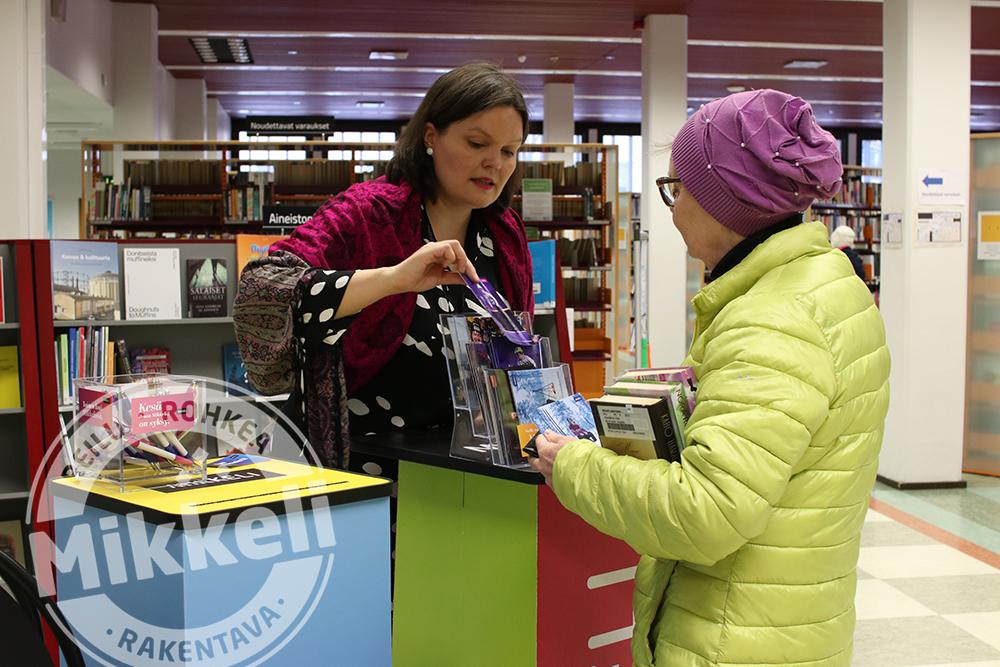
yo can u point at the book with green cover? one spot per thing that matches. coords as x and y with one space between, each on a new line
10 378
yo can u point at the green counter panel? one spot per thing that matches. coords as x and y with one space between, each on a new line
466 570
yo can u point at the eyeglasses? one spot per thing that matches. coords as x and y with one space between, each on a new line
664 183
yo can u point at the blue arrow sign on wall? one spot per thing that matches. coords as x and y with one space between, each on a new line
928 181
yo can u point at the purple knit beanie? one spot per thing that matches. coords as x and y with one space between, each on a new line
752 159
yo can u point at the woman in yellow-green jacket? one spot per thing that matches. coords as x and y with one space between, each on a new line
750 544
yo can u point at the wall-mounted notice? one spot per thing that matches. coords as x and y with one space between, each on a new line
892 229
940 186
939 227
988 246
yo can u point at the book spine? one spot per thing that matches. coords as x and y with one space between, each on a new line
666 443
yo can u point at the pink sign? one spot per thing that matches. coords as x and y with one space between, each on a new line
93 405
169 412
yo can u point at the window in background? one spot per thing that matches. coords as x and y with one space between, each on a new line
629 160
871 156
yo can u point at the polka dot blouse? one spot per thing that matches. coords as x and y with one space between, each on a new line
411 391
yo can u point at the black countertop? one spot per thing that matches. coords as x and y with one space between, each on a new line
434 448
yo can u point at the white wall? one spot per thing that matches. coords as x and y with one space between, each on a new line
22 110
166 97
80 48
190 109
64 191
219 125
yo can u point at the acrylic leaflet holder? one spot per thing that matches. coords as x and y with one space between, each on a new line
486 415
135 428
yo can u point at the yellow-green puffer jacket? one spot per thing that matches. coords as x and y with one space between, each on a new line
750 545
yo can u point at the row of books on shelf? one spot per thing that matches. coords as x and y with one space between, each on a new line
245 201
856 192
582 174
90 352
206 173
118 201
867 229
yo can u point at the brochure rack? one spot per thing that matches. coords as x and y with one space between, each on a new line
486 425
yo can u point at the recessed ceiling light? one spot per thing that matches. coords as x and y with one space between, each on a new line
609 56
215 50
296 102
805 64
554 59
369 104
521 58
377 54
735 88
243 111
293 53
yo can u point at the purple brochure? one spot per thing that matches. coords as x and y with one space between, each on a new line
498 309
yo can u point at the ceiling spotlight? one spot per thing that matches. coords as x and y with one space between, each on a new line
554 59
735 88
296 102
805 64
243 111
369 104
609 56
378 54
521 58
293 53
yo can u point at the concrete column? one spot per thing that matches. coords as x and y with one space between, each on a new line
557 127
219 127
22 107
664 110
137 88
190 110
926 72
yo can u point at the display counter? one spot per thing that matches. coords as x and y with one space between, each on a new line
492 570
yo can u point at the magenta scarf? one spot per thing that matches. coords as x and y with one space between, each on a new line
375 224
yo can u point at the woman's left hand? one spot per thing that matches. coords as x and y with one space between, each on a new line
548 445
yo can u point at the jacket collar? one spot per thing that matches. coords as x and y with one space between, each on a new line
808 238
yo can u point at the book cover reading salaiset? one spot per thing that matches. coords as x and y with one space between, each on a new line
206 281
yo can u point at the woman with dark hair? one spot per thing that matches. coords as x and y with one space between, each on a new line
344 313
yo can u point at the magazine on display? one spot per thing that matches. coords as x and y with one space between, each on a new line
570 416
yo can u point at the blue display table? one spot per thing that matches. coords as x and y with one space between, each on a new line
276 563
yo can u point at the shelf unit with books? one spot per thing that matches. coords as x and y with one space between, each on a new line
584 214
195 345
858 206
20 407
213 189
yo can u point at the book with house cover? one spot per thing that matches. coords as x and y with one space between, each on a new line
152 283
638 426
84 280
206 283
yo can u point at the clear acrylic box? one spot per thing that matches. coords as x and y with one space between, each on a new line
132 428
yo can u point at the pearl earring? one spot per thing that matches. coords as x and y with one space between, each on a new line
430 151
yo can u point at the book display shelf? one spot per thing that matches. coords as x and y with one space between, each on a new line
199 189
858 205
215 190
585 226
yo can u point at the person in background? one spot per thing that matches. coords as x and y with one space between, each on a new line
749 544
842 238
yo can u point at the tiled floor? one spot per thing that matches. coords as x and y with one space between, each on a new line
929 578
